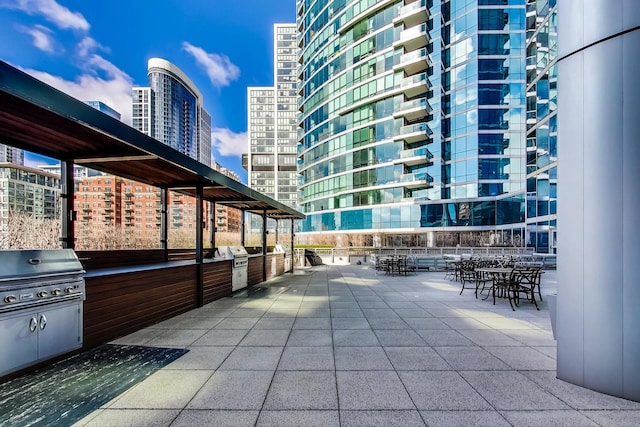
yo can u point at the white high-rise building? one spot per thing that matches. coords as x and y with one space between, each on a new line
171 110
272 124
10 154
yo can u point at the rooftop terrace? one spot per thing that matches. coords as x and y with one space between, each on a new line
340 345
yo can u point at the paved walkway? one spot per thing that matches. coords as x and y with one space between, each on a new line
342 346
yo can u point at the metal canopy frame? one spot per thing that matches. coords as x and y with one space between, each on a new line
39 118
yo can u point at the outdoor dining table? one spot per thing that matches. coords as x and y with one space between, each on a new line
497 274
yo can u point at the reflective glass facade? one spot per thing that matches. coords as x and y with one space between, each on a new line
542 156
171 111
413 115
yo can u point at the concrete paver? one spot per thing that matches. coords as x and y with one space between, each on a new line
344 346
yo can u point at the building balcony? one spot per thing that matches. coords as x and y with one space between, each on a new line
415 85
412 14
413 109
300 10
416 180
415 156
413 133
413 38
414 62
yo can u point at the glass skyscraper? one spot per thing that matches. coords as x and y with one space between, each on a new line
273 127
542 132
171 111
413 119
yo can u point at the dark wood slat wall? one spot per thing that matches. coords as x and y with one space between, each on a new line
254 273
119 304
96 260
217 280
181 254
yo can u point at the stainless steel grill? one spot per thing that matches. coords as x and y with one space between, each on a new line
41 294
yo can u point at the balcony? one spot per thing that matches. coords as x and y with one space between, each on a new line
415 156
413 38
300 10
416 180
414 62
412 14
413 109
413 133
415 85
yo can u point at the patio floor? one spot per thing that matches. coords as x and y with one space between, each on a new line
342 346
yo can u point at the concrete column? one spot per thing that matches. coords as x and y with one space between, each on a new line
598 222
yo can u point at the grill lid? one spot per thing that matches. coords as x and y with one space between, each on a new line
27 263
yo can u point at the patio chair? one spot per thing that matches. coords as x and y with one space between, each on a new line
467 274
521 281
528 281
409 265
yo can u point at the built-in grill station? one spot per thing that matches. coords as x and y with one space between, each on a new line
41 295
240 266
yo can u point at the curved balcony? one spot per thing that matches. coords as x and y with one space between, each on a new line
413 133
415 156
414 62
412 14
416 180
414 109
413 38
415 85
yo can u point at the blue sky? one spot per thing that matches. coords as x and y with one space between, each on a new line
97 50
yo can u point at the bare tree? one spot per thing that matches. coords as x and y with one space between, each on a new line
23 230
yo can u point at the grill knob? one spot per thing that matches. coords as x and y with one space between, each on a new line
56 292
42 294
9 299
68 289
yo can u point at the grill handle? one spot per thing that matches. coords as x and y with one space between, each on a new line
33 324
34 261
43 322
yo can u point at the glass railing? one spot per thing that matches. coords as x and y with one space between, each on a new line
413 32
413 104
416 152
420 127
421 78
412 8
420 54
417 177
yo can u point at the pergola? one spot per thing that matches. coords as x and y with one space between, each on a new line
39 118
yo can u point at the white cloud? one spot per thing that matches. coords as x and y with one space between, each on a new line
42 38
114 89
228 143
219 68
87 45
51 11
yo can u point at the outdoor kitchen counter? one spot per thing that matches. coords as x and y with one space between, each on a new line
144 267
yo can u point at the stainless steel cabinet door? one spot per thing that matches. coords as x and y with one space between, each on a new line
19 341
59 328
